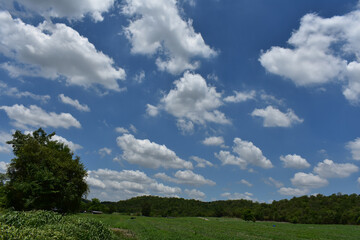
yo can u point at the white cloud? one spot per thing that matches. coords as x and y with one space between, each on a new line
274 182
354 147
193 102
186 127
72 10
4 147
70 144
273 117
121 130
105 151
36 117
243 181
240 97
213 141
250 153
113 185
149 154
235 196
139 78
152 110
55 51
247 153
195 194
74 102
3 167
324 50
187 177
228 159
14 92
293 191
201 162
329 169
158 29
294 161
308 180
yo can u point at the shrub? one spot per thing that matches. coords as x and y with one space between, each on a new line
46 225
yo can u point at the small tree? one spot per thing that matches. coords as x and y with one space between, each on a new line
43 174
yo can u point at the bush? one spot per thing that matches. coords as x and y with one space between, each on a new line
46 225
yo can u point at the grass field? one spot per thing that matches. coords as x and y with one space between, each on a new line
220 228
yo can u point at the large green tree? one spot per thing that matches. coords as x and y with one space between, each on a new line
43 174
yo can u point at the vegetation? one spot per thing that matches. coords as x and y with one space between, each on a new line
43 174
158 228
46 225
320 209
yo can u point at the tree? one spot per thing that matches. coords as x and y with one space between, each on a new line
3 179
43 174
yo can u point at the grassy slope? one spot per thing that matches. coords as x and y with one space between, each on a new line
224 228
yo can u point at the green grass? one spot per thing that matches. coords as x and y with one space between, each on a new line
220 228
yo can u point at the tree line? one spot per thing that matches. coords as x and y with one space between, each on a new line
319 209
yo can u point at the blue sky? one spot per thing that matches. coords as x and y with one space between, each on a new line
199 99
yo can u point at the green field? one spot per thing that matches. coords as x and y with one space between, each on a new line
220 228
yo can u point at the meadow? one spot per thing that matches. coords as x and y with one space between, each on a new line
138 227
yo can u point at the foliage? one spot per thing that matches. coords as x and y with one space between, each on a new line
46 225
43 174
3 178
195 228
320 209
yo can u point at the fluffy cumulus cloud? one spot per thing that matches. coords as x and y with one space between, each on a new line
72 10
70 144
113 185
288 191
229 159
240 97
105 151
3 167
195 194
294 161
308 181
5 90
74 102
149 154
121 130
235 196
187 177
354 147
247 153
158 29
329 169
273 117
35 116
213 141
4 147
201 163
250 153
193 102
55 51
323 50
152 110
